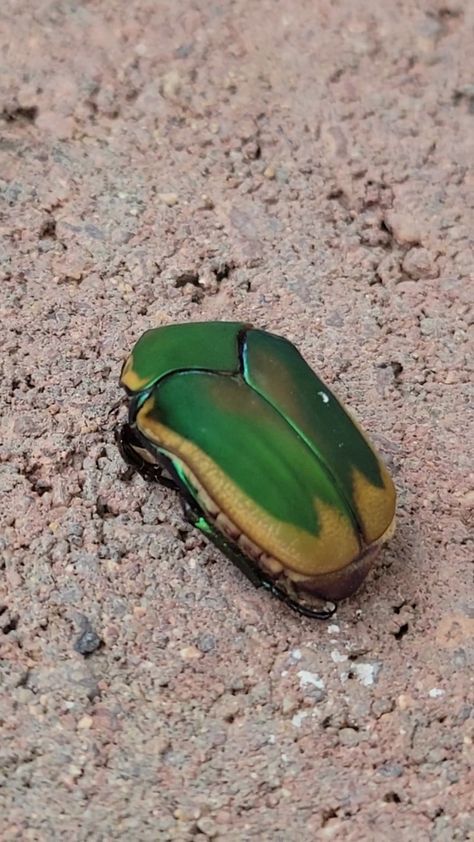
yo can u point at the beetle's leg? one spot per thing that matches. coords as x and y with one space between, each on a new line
304 610
128 442
190 512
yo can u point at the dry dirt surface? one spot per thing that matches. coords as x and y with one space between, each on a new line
305 165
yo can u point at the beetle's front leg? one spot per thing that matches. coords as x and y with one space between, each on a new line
139 458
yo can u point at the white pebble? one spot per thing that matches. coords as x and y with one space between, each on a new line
310 678
367 673
338 657
297 719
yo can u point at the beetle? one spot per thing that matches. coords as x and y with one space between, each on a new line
269 464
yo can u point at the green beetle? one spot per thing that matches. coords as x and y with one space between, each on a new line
268 463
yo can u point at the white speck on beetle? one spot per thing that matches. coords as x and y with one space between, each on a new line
297 719
310 678
367 673
333 629
296 655
338 657
324 397
436 692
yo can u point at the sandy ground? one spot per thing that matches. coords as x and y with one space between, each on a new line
305 166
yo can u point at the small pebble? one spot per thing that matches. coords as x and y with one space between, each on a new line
436 692
269 172
187 813
367 673
403 227
388 269
338 657
310 679
169 199
207 826
418 263
349 737
288 705
171 84
206 202
88 641
190 653
391 770
298 718
206 642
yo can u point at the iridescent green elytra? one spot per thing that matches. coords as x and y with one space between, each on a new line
270 465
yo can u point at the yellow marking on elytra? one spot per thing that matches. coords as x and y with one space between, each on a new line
389 532
130 379
375 506
207 501
335 546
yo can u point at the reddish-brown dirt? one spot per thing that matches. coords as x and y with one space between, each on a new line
307 166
